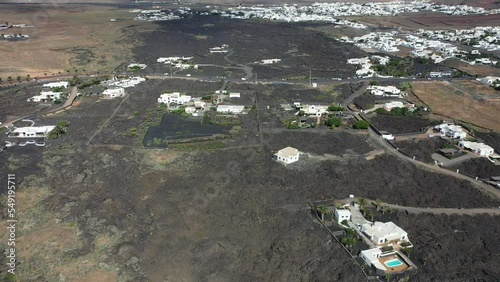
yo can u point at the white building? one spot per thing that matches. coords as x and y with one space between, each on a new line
174 97
384 233
394 104
371 257
234 95
451 130
45 96
64 84
230 109
342 214
287 155
386 91
125 83
314 110
31 131
114 92
386 135
478 148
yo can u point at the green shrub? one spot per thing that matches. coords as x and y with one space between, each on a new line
333 122
361 124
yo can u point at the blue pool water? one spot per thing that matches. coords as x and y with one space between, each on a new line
393 262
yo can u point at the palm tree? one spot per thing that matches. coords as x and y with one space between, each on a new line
0 80
362 201
348 241
322 209
28 77
9 78
18 78
378 203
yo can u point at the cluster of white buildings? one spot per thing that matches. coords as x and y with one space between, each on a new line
327 12
366 65
450 130
478 148
268 61
155 15
15 36
182 63
286 13
485 37
385 91
123 83
174 97
47 94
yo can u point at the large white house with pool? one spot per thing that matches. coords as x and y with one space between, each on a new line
388 239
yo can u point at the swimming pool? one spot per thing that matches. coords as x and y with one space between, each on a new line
393 262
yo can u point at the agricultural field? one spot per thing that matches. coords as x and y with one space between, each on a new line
68 39
449 102
472 70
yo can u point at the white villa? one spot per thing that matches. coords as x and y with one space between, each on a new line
386 91
384 233
222 49
125 83
287 155
31 131
234 95
114 92
64 84
478 148
45 96
314 110
342 214
230 109
451 130
394 104
174 97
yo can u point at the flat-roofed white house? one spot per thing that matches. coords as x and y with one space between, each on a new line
174 97
342 214
394 104
478 148
451 130
287 155
45 96
230 109
64 84
31 131
381 233
114 92
314 110
371 257
234 95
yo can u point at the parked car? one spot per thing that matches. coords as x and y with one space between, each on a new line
31 142
22 144
40 144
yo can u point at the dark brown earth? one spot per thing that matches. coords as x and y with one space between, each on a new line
251 41
400 124
422 149
479 167
451 243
